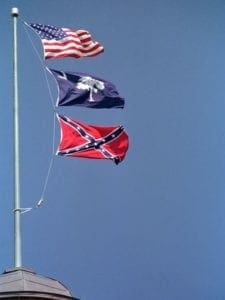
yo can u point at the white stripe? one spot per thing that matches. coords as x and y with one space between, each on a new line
74 34
85 34
79 34
52 41
79 31
73 52
72 37
70 45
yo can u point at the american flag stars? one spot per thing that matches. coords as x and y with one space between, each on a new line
49 32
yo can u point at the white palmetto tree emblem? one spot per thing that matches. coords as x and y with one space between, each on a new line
90 84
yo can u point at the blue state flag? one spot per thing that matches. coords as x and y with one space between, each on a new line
86 90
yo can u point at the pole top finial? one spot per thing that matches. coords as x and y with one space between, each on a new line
15 12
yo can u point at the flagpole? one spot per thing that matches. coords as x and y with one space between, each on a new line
17 210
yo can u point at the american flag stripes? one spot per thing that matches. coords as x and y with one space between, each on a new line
63 42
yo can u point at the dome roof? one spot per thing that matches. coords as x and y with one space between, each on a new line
25 283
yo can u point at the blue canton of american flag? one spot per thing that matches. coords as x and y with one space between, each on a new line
63 42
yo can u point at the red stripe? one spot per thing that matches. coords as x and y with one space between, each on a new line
72 47
56 43
78 31
86 42
74 55
62 55
95 54
82 33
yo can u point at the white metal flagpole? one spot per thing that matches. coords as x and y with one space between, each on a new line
17 208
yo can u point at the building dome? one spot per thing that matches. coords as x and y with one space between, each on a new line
26 284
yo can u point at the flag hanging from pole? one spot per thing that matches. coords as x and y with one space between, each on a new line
63 42
87 141
86 90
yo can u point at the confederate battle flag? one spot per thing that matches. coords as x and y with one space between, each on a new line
87 141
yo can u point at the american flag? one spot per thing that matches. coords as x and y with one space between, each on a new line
63 42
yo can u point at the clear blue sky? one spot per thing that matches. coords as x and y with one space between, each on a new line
152 227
